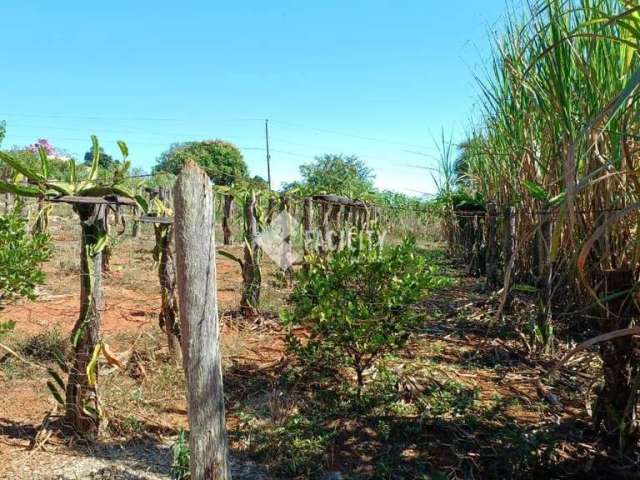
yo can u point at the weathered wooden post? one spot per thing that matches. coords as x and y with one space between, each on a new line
473 268
285 205
325 210
307 215
117 216
168 317
346 215
492 247
42 219
509 256
135 227
196 275
106 251
82 406
251 273
226 219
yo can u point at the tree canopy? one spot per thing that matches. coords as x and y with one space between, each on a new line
105 160
222 160
337 174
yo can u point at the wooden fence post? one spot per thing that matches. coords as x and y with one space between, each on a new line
226 219
475 241
251 273
168 317
82 402
286 207
492 247
135 226
325 210
307 215
106 251
196 269
509 257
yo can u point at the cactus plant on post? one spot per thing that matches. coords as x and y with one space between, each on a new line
250 264
89 200
157 213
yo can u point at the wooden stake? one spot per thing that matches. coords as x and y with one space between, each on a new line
251 274
492 247
82 402
168 317
226 219
509 256
196 275
307 215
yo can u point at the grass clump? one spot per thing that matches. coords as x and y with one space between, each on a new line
47 346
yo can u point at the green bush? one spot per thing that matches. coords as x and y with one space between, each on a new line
21 255
359 304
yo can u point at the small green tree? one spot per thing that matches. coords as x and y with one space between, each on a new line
20 257
359 303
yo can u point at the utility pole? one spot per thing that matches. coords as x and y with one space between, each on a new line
266 134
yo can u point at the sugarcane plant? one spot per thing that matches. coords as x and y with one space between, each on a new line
82 406
558 142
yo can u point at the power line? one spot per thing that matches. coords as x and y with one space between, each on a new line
351 135
118 119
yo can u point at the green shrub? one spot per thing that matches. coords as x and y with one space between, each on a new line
20 257
359 304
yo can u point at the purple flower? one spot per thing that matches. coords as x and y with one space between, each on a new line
44 143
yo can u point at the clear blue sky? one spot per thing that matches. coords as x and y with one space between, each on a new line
373 78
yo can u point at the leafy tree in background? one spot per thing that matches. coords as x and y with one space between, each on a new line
222 160
337 174
259 183
3 130
105 161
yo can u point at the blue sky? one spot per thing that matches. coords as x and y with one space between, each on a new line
379 79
